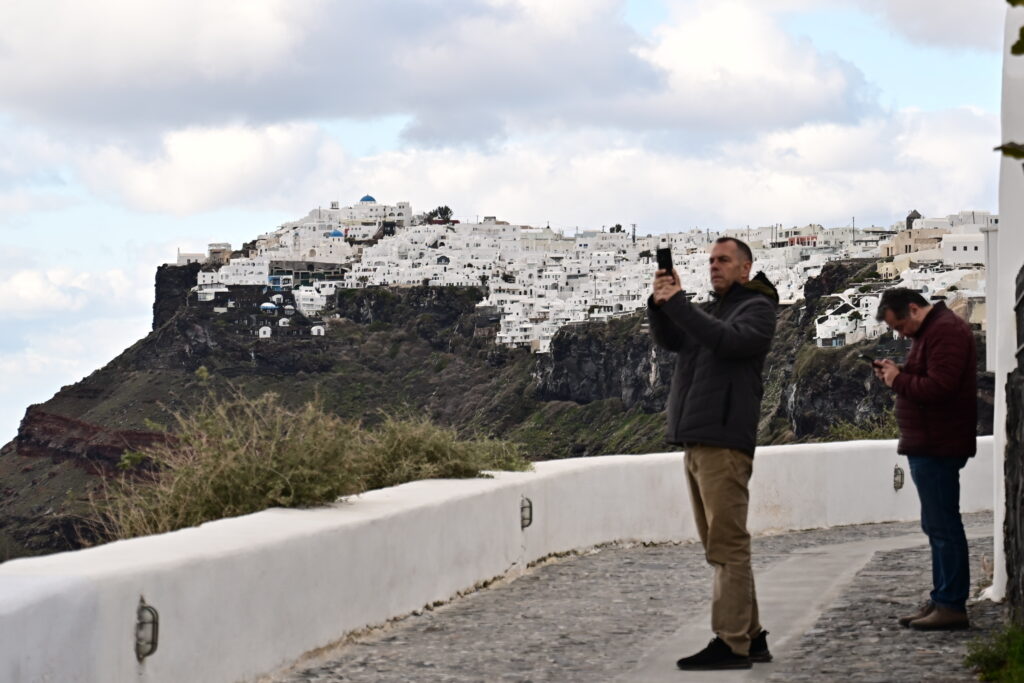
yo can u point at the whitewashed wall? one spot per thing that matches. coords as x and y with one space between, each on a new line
1007 249
241 597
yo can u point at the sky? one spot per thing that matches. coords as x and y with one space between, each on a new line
129 130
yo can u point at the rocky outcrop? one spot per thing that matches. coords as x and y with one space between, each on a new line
46 435
48 480
442 316
597 361
834 277
172 286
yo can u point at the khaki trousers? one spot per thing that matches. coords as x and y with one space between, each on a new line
718 479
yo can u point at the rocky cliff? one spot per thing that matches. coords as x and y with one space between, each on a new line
172 286
602 389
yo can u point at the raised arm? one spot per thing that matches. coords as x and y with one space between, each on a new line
748 332
664 332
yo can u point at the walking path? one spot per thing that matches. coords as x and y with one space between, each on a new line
829 599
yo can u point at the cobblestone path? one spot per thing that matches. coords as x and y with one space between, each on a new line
593 616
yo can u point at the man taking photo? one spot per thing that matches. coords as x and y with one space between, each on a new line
713 409
936 410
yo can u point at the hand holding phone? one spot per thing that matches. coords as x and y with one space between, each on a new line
663 290
664 255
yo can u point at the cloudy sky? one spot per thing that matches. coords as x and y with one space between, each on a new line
129 129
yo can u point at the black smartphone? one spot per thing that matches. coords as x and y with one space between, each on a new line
870 359
665 259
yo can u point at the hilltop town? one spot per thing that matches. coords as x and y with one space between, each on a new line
539 280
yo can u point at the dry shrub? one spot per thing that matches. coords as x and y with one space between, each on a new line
241 455
882 427
401 450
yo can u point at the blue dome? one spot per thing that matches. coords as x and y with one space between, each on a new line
268 306
368 198
336 233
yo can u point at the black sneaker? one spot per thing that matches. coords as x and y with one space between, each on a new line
717 655
759 648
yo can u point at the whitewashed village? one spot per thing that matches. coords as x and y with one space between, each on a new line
538 280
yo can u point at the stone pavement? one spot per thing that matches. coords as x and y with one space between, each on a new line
829 599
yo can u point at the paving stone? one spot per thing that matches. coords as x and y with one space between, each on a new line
592 617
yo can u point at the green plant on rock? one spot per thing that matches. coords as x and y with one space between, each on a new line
1000 657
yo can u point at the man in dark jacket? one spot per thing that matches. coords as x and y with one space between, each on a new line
713 410
936 410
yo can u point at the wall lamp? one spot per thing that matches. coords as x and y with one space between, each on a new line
147 629
525 512
897 478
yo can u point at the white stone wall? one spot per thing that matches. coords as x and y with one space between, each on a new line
242 597
1007 247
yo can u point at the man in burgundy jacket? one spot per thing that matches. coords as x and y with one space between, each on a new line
936 410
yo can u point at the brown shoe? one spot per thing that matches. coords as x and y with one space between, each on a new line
924 611
942 619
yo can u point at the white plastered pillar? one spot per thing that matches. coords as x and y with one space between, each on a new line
1009 258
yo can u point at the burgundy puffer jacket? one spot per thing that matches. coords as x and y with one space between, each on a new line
936 390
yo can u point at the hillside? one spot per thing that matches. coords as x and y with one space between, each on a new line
423 350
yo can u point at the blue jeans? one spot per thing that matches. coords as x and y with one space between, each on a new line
938 486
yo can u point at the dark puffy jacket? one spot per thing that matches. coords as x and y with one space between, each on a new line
716 392
937 389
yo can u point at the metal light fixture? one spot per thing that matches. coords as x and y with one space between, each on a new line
147 629
525 512
897 478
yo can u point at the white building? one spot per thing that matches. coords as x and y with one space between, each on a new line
540 279
963 249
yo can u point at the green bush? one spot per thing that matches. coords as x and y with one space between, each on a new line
1000 658
241 455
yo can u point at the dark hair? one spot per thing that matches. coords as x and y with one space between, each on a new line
898 300
740 245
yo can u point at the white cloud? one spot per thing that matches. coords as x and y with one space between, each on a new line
876 169
730 66
204 168
36 292
121 65
822 172
73 46
466 70
949 24
40 293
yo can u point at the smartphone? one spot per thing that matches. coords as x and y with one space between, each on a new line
665 259
870 359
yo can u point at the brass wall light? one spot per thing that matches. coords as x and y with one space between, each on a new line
147 629
897 478
525 512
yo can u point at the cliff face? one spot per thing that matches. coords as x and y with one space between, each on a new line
96 448
613 360
427 351
172 285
